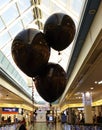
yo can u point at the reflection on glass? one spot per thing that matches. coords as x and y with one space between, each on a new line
3 3
7 49
63 1
12 11
28 18
4 39
16 29
23 5
76 5
1 25
8 16
46 3
55 8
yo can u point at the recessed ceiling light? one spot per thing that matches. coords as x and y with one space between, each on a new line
77 93
91 88
96 82
100 82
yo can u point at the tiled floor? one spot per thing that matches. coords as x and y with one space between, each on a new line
44 126
59 126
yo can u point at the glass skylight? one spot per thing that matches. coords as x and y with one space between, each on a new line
10 14
16 15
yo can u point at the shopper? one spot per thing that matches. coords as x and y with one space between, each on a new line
22 127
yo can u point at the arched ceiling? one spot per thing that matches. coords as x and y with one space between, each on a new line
24 16
16 15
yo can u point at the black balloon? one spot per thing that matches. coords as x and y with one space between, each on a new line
30 51
59 30
51 83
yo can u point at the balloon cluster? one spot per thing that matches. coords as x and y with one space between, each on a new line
31 52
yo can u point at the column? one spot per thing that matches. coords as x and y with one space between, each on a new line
70 116
97 110
87 100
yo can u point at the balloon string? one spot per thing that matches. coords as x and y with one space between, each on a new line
59 57
33 100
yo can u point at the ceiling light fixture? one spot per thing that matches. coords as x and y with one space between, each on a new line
100 82
96 82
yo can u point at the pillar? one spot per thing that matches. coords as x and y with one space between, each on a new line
69 115
87 100
97 111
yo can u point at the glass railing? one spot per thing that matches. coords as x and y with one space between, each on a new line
9 70
85 127
11 126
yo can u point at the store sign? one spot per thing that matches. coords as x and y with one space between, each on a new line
10 109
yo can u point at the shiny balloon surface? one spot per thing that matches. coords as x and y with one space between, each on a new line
30 51
51 83
59 30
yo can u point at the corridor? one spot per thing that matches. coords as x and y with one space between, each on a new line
44 126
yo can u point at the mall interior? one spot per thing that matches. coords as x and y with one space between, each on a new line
79 106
